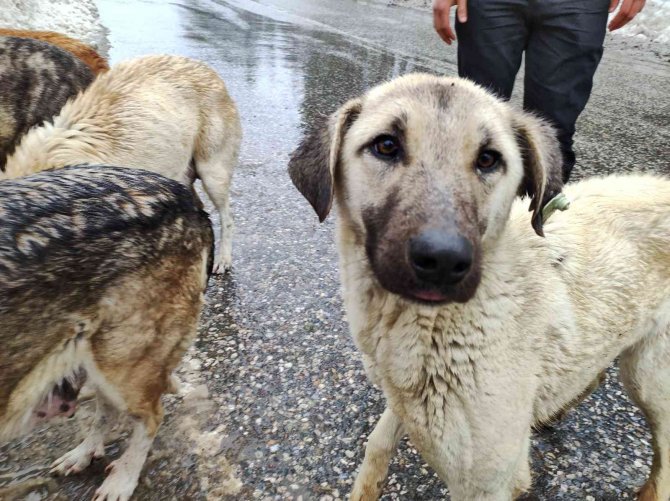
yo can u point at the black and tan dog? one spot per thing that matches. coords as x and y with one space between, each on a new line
77 48
36 79
102 272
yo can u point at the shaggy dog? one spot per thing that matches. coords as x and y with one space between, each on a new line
476 320
102 273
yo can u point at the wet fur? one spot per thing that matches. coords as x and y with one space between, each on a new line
554 302
167 114
102 273
36 79
80 50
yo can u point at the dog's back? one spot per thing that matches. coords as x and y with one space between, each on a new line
160 113
609 252
67 238
612 246
36 79
86 53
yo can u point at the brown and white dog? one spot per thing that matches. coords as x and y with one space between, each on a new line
77 48
102 273
167 114
476 323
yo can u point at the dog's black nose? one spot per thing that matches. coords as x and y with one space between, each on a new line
440 258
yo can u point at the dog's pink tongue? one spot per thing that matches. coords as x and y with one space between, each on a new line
429 296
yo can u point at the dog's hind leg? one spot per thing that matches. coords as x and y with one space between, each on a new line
216 171
136 387
382 443
139 387
93 446
135 360
645 372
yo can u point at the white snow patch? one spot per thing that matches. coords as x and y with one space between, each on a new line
78 19
652 24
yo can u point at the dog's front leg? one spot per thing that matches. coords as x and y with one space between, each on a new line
382 443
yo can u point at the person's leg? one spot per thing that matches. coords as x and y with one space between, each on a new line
565 45
491 42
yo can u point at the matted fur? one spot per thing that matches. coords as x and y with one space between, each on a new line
469 376
77 48
36 79
102 273
167 114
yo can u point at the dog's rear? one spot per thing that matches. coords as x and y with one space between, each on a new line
36 79
86 53
102 273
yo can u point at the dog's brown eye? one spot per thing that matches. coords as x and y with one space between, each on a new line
386 147
488 160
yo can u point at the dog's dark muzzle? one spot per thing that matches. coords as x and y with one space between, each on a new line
440 259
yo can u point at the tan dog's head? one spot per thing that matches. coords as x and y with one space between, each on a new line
425 170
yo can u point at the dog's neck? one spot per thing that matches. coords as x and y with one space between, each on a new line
49 146
72 138
33 154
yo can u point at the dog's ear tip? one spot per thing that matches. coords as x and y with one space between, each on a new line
322 210
538 224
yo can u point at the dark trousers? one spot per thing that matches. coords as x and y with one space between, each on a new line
563 41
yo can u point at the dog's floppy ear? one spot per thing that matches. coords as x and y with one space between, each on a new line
313 164
542 163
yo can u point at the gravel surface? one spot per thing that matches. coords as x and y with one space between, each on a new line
275 404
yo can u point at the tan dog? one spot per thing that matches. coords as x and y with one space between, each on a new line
167 114
476 327
93 60
102 273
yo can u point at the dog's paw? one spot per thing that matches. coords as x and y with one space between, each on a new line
364 492
77 459
221 266
119 484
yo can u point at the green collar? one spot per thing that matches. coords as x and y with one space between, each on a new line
559 202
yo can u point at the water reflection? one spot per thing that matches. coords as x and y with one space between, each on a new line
284 75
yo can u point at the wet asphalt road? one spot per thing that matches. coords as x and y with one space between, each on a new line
275 404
